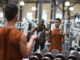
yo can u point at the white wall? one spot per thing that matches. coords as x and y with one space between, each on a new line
28 8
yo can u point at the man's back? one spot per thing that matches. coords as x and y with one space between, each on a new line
13 44
9 44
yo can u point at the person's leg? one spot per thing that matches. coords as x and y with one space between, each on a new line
36 46
42 45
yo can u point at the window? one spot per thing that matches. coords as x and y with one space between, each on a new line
44 15
59 15
1 14
29 15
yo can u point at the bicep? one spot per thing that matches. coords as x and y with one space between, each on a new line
23 46
49 36
62 39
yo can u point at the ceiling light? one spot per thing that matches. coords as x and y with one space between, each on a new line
67 3
33 8
21 3
71 8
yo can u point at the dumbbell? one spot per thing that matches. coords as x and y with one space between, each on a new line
76 54
72 57
55 52
78 49
71 48
60 56
39 55
45 50
49 55
57 59
33 58
45 58
65 53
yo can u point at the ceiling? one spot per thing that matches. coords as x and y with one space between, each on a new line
37 1
46 1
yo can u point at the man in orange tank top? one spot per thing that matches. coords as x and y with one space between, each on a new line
13 43
56 37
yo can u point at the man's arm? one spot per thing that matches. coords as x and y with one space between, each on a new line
49 36
62 37
25 47
34 29
47 28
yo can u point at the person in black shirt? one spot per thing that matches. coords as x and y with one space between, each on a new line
41 33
